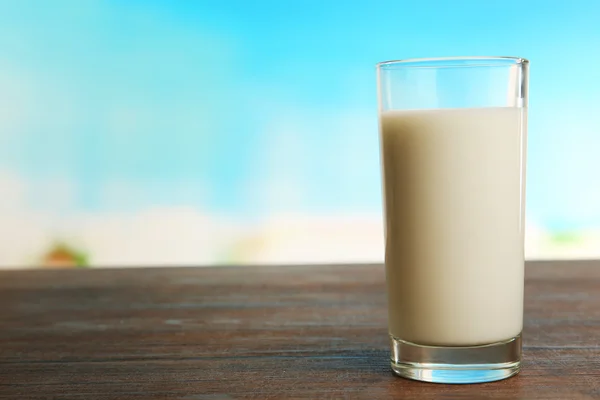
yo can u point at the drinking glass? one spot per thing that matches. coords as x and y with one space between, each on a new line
453 147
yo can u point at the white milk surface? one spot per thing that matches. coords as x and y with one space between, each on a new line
454 210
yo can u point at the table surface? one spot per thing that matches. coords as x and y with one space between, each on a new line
264 332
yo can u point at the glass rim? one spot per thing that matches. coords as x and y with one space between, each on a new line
454 62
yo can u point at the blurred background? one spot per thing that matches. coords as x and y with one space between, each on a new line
138 133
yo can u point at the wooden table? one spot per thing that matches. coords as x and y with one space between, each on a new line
264 332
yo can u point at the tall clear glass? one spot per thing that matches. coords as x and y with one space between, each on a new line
453 145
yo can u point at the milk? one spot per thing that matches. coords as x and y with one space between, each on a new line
454 211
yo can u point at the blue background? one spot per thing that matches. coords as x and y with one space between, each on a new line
250 108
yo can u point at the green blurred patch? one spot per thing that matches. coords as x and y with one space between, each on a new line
565 238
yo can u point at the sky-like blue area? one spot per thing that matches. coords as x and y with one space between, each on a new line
249 107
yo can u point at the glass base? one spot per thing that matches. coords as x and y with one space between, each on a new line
474 364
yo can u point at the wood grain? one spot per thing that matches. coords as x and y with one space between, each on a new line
264 332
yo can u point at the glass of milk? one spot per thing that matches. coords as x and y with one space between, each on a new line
453 143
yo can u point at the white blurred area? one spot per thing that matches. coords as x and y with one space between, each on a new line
187 236
177 236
